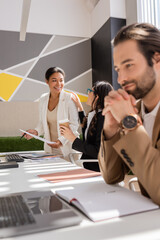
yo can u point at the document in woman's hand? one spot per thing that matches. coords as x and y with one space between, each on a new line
39 138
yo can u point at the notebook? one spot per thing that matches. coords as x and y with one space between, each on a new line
35 211
79 173
100 201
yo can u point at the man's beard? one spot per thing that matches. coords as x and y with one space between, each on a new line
143 86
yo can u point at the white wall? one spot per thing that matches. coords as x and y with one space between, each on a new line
10 14
20 115
59 17
131 11
117 8
100 15
17 115
104 10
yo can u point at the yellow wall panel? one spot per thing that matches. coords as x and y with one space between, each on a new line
8 84
82 98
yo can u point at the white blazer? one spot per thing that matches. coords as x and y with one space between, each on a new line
66 110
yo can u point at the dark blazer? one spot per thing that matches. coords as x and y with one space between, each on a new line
90 146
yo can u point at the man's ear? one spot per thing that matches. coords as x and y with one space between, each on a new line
156 61
156 57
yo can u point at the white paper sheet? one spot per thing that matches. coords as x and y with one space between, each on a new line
39 138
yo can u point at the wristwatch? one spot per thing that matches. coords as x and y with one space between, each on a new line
130 122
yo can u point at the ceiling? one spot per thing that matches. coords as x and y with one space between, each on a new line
90 5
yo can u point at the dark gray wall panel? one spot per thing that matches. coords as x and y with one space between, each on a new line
116 24
14 51
102 60
101 54
74 60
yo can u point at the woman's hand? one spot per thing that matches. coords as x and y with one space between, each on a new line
77 101
67 133
57 144
32 131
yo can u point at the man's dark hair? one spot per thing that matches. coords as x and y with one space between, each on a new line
146 35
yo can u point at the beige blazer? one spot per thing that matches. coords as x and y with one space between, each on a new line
66 110
137 152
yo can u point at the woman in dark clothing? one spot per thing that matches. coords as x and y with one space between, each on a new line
92 124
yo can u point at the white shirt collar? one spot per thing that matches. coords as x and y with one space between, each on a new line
153 112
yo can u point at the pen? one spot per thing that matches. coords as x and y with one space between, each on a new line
23 135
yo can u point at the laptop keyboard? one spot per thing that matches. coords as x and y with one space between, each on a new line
14 212
14 157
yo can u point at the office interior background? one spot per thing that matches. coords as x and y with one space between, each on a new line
72 34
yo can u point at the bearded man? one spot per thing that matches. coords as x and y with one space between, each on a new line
131 132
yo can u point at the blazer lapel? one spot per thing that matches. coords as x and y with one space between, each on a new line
138 105
156 129
45 109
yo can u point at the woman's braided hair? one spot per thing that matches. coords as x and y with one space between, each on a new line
101 89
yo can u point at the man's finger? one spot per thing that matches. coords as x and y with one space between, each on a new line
133 100
107 101
115 95
123 93
105 110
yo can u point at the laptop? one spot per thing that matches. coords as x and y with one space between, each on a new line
34 211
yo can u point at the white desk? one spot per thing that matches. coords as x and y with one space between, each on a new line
138 226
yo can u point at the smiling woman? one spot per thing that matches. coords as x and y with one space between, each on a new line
55 106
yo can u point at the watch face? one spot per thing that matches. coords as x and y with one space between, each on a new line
129 122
